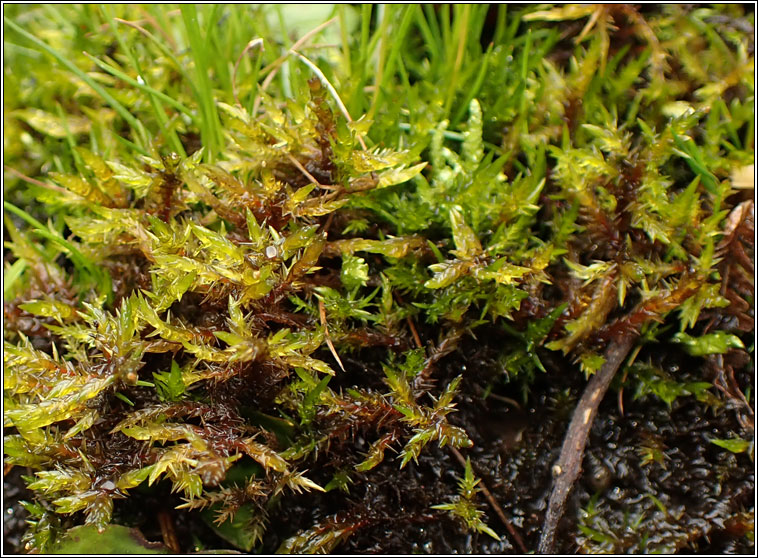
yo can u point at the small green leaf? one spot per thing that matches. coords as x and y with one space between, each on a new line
114 539
52 125
139 180
49 309
170 385
718 342
466 243
398 176
591 363
446 273
735 445
354 272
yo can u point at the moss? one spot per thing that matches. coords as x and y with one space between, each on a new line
239 260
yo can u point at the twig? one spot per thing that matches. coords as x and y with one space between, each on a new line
495 506
411 325
152 21
168 532
415 334
303 170
36 182
252 44
567 468
324 80
507 400
136 25
276 64
623 379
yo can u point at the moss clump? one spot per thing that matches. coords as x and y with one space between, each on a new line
235 268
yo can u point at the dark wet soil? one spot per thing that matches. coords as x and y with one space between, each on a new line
14 515
696 500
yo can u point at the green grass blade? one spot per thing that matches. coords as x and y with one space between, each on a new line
158 110
210 126
118 107
142 86
99 276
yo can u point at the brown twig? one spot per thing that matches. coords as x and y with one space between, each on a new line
507 400
152 21
136 25
305 172
415 334
623 379
495 506
258 42
411 325
276 64
36 182
569 464
168 532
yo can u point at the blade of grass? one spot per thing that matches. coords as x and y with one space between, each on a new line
11 275
31 53
254 80
358 99
434 26
500 27
461 25
210 127
160 113
284 74
378 38
142 86
273 68
257 42
118 107
475 86
431 40
181 68
99 276
445 26
398 42
344 39
478 18
131 145
63 23
211 39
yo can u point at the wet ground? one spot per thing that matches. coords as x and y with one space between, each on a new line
691 497
14 515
